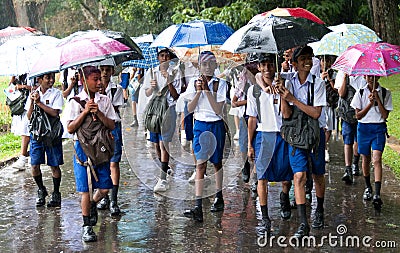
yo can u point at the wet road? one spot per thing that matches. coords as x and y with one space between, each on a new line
154 223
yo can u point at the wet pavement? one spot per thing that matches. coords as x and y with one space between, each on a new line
154 223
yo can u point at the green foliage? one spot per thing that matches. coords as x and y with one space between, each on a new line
393 84
327 10
9 146
391 158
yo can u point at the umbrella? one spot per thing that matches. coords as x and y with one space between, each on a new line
149 38
193 34
288 13
342 37
372 58
78 51
192 54
150 57
18 55
274 34
15 32
136 53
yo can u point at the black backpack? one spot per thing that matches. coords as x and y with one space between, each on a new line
301 130
344 110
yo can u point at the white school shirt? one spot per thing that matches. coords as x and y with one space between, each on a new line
161 82
270 115
357 82
52 98
74 109
203 110
373 115
118 99
300 92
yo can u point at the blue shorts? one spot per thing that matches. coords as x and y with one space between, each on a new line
117 134
103 173
37 153
168 127
135 97
188 123
243 138
274 153
371 135
299 161
349 133
209 141
124 80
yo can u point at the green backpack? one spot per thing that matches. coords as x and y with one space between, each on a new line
155 111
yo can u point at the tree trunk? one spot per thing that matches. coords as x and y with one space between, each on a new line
385 20
7 14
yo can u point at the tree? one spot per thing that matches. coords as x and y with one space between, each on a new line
385 19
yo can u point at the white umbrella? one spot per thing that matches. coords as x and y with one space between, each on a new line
17 56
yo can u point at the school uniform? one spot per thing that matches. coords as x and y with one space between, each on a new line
299 157
103 172
52 98
371 129
115 93
168 129
271 151
209 128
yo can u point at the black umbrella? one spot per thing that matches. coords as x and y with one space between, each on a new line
274 35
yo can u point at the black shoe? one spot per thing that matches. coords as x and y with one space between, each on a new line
377 202
367 194
93 214
55 200
264 228
196 214
293 204
348 176
114 209
104 203
254 189
246 172
355 169
41 199
218 205
303 230
88 235
285 206
318 220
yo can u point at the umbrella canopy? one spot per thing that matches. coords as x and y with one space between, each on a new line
373 58
150 57
192 54
15 32
18 55
149 38
136 52
342 37
77 51
288 13
193 34
274 34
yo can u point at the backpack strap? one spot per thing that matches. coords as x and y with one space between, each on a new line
79 101
257 93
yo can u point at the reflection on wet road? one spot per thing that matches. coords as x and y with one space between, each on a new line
154 223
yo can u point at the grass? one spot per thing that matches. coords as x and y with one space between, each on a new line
10 146
391 157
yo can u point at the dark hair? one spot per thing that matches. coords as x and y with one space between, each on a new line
301 51
88 70
49 73
266 57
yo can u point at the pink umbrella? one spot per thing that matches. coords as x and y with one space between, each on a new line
15 32
78 51
372 58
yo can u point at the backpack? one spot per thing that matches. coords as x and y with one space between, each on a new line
17 106
332 95
45 128
344 110
155 110
301 130
95 138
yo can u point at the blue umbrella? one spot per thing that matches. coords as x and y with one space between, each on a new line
193 34
150 57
